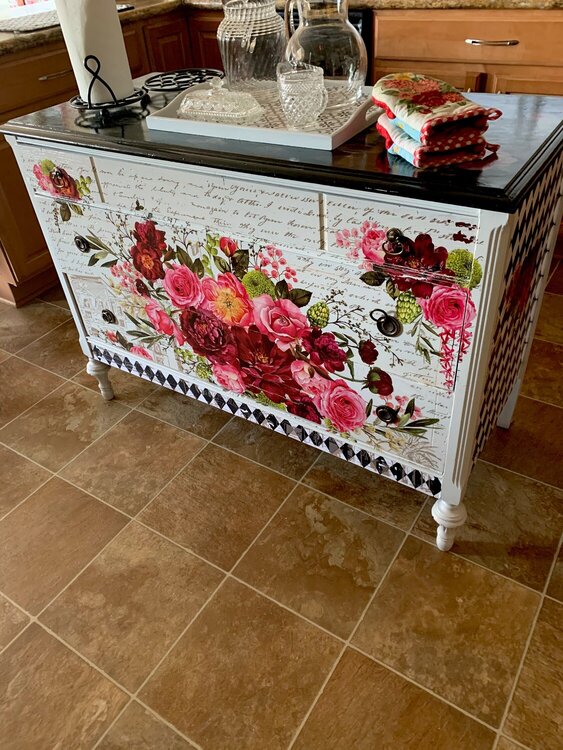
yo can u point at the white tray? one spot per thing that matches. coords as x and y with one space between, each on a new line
331 130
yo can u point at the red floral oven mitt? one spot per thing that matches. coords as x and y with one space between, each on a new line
431 111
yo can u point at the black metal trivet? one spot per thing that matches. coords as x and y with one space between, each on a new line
177 80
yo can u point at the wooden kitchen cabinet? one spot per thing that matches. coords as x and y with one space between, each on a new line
435 42
203 27
168 42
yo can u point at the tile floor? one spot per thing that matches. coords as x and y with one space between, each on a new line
171 578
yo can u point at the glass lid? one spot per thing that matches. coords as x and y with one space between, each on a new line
214 103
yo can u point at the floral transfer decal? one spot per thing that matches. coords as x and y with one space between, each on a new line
430 286
57 182
237 317
420 93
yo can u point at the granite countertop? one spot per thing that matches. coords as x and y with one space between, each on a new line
146 8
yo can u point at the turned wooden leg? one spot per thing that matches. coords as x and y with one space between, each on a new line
449 518
100 371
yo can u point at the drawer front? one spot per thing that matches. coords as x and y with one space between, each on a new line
435 35
280 327
286 217
64 175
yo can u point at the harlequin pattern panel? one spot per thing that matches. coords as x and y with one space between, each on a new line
383 465
526 255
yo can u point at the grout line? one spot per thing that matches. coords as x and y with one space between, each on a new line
39 367
527 645
523 476
21 414
21 502
49 331
21 632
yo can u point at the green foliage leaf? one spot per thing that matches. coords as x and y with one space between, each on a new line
221 264
282 290
97 242
403 420
350 363
64 211
373 278
131 318
109 263
184 258
47 166
369 407
77 209
198 268
299 297
423 422
170 254
123 341
341 336
240 263
93 260
409 411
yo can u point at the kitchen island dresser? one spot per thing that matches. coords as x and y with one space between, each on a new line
344 299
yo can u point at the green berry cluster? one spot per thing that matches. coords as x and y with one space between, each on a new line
408 308
318 314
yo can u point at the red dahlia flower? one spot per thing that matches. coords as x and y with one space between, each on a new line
207 335
324 351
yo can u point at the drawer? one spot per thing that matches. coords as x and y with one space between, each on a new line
58 174
286 217
441 35
319 344
36 77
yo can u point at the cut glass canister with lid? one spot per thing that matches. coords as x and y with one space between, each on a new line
213 103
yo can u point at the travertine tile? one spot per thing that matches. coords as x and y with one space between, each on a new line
555 285
18 478
260 444
127 608
19 326
451 626
128 389
536 715
244 673
50 698
22 385
48 539
543 379
55 296
555 588
184 412
366 707
321 558
55 430
3 355
513 524
531 446
138 729
505 744
549 326
366 491
217 505
12 620
133 461
58 351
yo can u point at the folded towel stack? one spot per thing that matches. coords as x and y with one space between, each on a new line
429 123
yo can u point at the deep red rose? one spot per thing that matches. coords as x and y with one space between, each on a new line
264 366
429 99
305 409
367 351
228 246
147 235
324 351
207 335
378 381
147 261
64 184
141 288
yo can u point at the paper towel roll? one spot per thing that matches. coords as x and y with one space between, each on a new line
92 27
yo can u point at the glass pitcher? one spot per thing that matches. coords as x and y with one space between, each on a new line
327 39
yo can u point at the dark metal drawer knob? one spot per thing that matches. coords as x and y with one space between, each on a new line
57 177
82 243
108 316
387 414
386 324
394 244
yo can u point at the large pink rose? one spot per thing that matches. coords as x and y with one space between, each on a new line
345 408
449 307
228 299
310 382
162 322
280 320
229 377
183 286
372 245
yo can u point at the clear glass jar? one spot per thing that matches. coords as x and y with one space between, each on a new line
327 39
252 41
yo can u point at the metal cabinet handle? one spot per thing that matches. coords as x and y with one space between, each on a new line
108 316
386 324
493 42
51 76
82 243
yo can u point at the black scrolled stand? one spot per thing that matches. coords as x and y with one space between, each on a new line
113 112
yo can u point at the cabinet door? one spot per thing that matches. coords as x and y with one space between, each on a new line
21 237
168 43
136 50
522 80
463 76
203 35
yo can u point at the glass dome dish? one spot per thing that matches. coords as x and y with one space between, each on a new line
214 103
